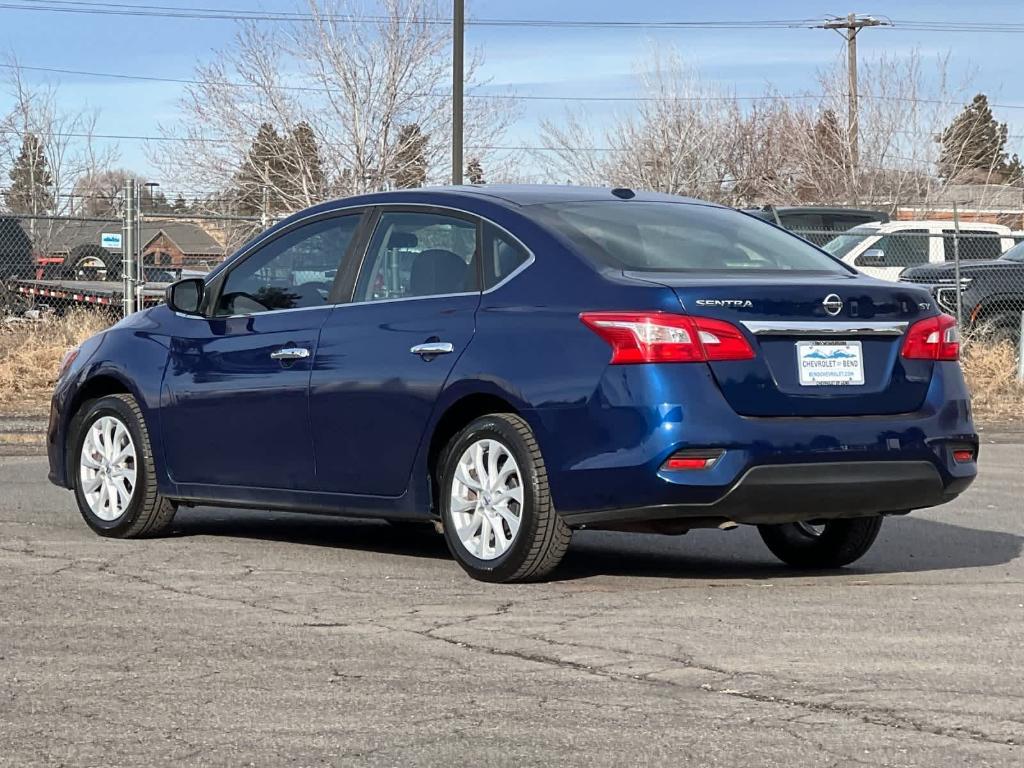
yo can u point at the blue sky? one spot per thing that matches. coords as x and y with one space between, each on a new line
588 62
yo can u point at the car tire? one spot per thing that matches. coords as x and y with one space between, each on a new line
518 534
112 471
832 544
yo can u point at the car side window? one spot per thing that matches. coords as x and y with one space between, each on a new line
293 271
901 249
501 256
973 245
419 254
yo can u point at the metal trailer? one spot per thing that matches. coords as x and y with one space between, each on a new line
69 293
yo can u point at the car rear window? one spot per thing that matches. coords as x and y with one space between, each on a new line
682 237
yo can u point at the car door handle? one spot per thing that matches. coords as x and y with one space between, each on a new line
290 353
433 348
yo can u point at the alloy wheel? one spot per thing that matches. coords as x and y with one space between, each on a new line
108 468
487 499
814 530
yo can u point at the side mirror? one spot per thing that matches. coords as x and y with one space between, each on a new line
872 257
185 296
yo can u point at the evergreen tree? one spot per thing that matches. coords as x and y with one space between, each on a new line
180 204
31 190
829 139
410 157
265 166
305 166
475 171
974 146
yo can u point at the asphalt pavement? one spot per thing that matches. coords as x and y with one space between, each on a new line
255 638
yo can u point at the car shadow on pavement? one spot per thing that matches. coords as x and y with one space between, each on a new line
413 540
905 545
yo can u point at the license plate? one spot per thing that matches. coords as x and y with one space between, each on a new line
830 363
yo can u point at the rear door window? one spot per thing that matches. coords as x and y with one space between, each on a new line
973 245
501 256
412 255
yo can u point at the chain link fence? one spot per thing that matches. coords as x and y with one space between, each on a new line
974 271
49 265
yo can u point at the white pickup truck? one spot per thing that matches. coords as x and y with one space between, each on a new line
885 250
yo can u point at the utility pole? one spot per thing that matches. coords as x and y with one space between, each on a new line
848 29
458 78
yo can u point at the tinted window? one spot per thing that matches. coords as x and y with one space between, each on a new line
501 256
681 237
901 249
418 254
973 245
296 270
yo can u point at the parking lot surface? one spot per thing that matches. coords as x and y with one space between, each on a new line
252 638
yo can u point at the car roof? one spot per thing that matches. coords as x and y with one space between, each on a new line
519 195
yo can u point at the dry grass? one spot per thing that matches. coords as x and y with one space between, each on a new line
991 371
30 355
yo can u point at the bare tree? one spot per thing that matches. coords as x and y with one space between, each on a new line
353 84
691 137
100 193
687 136
65 136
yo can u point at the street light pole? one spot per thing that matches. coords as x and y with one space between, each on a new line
458 77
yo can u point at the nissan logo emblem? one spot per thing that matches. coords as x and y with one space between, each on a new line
832 304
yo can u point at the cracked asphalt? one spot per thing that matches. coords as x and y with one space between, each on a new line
251 638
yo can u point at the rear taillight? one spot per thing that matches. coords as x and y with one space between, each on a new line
661 337
963 455
693 459
934 338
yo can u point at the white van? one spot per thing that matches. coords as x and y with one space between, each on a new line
885 250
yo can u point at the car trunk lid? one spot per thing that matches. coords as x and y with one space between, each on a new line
810 359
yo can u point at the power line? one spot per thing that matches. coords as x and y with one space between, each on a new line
90 7
164 11
319 89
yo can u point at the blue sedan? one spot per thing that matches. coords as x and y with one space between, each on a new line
513 363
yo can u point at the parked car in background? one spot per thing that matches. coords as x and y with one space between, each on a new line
518 362
885 250
993 293
817 224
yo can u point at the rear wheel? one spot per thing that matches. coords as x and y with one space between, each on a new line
499 521
829 544
114 475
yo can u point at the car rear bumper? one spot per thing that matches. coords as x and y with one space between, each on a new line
606 458
791 492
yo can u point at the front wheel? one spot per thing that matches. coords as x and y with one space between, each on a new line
831 544
114 476
499 521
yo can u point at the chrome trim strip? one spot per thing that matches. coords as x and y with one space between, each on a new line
818 328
